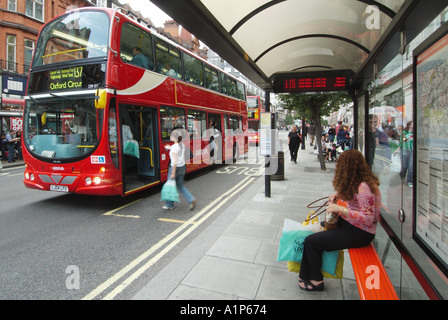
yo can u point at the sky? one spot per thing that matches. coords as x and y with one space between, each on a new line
149 10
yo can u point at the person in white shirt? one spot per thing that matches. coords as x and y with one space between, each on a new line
178 169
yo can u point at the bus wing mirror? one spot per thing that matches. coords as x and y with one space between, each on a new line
100 99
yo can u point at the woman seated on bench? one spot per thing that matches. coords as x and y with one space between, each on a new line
356 184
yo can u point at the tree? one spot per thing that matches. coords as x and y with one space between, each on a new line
314 107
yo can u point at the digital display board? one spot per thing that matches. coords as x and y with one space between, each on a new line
69 78
315 84
312 82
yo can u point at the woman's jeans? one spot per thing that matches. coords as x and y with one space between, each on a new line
180 174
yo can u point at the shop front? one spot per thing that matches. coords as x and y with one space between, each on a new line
11 114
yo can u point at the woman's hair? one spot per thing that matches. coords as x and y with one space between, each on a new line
351 170
177 134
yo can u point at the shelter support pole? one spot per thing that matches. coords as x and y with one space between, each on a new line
267 176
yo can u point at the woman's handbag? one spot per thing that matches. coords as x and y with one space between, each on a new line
331 218
169 191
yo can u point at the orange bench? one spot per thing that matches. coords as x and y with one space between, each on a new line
371 277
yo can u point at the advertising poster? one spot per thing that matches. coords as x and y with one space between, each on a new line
265 134
431 223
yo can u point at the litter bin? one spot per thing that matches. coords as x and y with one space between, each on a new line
280 174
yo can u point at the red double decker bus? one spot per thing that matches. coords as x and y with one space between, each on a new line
105 92
255 106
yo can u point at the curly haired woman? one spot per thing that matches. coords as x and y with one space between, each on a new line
355 184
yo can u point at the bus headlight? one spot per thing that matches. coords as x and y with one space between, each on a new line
97 180
27 176
88 181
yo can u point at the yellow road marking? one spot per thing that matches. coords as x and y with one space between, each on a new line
112 212
175 221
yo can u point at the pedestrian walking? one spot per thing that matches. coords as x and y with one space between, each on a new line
294 142
178 169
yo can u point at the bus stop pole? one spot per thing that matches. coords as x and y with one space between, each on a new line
267 176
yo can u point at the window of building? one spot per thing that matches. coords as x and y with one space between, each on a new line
35 9
11 52
29 48
12 5
101 3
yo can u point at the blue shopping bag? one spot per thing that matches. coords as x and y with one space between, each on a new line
169 191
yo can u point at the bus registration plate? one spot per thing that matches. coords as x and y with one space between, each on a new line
58 188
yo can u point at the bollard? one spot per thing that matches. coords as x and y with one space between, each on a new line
280 174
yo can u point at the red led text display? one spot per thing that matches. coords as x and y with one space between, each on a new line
314 84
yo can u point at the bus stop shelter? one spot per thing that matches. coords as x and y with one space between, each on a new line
263 39
279 43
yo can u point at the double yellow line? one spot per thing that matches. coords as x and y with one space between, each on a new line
176 237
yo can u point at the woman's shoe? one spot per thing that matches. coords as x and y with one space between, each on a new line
309 286
167 208
193 204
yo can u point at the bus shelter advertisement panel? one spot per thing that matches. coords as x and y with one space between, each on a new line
432 154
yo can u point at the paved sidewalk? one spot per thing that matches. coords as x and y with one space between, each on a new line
17 163
236 256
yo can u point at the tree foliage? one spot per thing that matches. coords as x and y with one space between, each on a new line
313 107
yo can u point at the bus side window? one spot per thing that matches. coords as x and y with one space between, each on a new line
171 118
231 87
211 78
241 94
196 123
193 70
136 47
223 83
168 59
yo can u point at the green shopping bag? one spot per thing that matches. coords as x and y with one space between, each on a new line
169 191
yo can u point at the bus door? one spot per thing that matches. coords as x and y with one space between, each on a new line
139 146
215 129
148 161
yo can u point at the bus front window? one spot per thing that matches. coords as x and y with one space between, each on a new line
61 128
77 35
